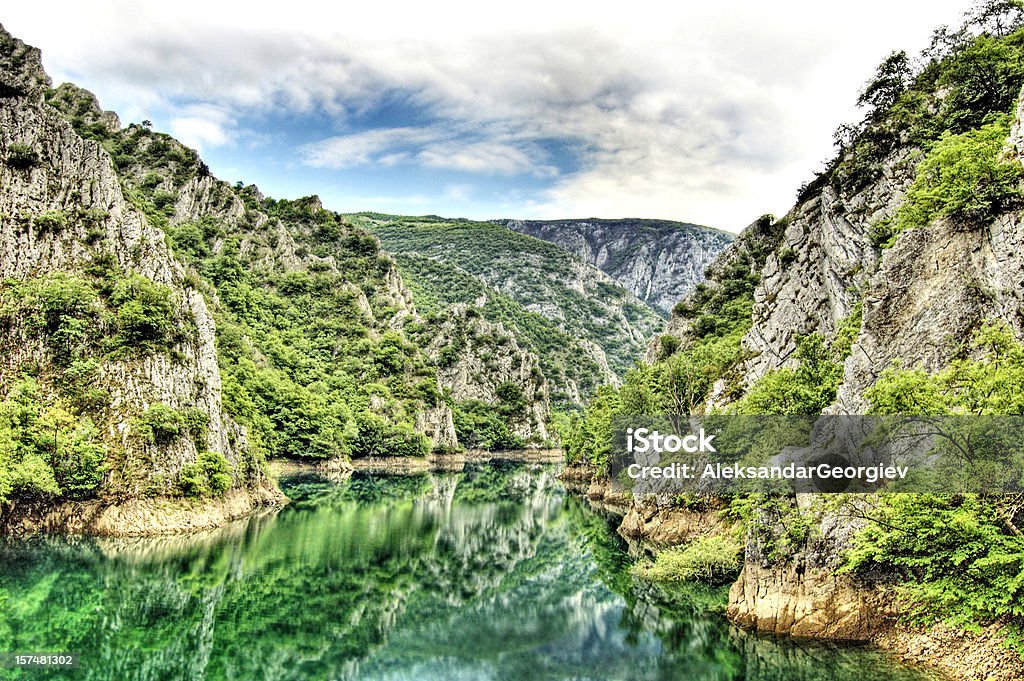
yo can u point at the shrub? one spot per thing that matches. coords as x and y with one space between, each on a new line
478 424
963 178
32 476
160 424
960 560
667 345
808 389
377 437
715 559
209 475
21 156
144 312
63 307
79 462
50 220
190 240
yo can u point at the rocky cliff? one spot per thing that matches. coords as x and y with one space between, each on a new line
164 332
872 295
85 279
585 327
481 361
658 261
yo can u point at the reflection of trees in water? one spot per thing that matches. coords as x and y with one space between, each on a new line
697 641
488 572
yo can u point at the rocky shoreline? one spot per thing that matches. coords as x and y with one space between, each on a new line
137 517
179 515
809 602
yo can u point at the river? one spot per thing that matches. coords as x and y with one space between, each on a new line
494 572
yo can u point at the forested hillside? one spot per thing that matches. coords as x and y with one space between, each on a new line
586 328
892 286
165 333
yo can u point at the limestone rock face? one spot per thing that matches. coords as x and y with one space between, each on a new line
657 260
664 524
84 108
812 603
63 211
922 296
21 70
477 360
816 274
934 287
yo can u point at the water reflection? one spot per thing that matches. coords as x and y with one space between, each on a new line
490 573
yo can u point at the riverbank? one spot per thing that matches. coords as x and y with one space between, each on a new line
454 461
137 517
800 601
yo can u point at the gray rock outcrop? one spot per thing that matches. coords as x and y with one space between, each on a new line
659 261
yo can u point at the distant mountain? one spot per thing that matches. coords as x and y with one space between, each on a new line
586 327
660 261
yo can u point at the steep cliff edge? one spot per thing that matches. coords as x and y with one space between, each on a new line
105 342
658 261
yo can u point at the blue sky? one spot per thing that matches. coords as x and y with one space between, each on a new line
708 114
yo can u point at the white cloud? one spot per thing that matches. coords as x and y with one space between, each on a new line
711 112
202 126
432 147
482 157
385 147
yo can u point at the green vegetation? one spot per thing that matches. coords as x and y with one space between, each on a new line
719 314
480 425
807 389
437 285
715 559
209 475
120 314
46 450
348 384
965 78
960 557
21 156
161 425
532 273
145 314
986 381
963 178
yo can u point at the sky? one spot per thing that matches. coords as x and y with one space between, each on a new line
712 113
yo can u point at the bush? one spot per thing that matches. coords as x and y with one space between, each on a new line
63 307
209 475
50 220
21 156
479 425
960 560
377 437
160 424
667 345
963 178
715 559
808 389
144 312
44 449
79 463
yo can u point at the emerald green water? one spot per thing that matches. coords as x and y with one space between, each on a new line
492 573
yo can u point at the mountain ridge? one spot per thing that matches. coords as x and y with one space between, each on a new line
659 261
